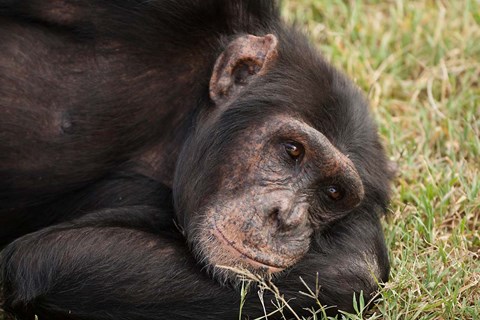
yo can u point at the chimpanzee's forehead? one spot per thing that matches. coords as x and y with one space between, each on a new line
321 96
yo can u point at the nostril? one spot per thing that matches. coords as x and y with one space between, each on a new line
274 213
279 218
274 217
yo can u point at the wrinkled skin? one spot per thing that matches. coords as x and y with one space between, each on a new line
271 204
145 145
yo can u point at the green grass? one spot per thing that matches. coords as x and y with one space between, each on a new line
419 62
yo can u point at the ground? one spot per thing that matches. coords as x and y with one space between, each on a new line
419 63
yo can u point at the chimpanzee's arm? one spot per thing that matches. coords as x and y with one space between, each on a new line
108 270
98 270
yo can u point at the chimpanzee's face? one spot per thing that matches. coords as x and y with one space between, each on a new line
250 192
261 195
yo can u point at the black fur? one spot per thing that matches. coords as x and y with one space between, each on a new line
90 92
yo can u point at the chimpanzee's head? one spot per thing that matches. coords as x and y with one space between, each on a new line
285 149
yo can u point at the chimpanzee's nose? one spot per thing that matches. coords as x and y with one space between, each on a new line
290 216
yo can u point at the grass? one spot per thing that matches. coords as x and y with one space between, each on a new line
419 62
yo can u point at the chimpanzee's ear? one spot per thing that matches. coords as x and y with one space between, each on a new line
244 59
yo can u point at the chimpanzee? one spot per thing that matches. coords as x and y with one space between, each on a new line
149 147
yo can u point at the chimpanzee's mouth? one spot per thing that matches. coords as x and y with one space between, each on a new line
255 262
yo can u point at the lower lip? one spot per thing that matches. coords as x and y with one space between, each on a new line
257 264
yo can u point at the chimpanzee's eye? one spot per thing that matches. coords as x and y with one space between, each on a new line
294 149
334 192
